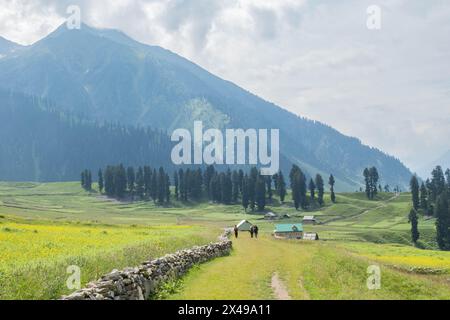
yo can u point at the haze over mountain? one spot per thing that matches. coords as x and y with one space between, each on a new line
443 161
104 75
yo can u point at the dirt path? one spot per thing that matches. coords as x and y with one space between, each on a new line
279 288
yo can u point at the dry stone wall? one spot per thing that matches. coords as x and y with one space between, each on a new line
141 282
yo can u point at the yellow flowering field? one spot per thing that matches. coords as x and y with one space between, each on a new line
405 256
34 257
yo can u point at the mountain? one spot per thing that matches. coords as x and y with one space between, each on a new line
7 47
104 75
443 161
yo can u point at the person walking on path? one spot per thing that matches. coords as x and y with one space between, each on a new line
256 231
236 232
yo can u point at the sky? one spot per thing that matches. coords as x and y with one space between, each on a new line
390 86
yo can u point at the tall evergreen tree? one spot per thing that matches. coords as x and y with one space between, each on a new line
83 179
442 214
245 195
332 182
167 188
154 186
131 180
312 191
176 183
140 183
252 187
424 198
414 220
236 186
101 183
437 182
366 174
109 181
269 188
414 186
281 186
320 189
260 193
161 185
147 181
120 181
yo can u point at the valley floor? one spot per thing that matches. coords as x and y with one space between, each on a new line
304 270
44 228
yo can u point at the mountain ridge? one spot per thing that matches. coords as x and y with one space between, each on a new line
108 76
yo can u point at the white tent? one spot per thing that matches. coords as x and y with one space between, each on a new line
244 225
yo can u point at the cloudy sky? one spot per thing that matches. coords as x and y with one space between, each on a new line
388 87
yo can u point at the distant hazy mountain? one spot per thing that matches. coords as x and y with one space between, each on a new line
443 161
43 145
106 76
6 47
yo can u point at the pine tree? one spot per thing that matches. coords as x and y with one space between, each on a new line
320 189
176 182
154 186
161 185
167 187
269 188
414 186
366 174
447 175
101 183
413 219
423 198
182 184
140 183
131 180
120 181
312 191
209 174
281 185
147 182
83 179
332 182
437 183
442 214
245 197
88 180
109 181
236 186
252 188
260 193
374 177
226 187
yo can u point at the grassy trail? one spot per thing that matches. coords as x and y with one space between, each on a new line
306 270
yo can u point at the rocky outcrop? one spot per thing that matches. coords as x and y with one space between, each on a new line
141 282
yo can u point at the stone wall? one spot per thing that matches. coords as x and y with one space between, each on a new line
141 282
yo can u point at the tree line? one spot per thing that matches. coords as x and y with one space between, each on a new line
432 198
250 189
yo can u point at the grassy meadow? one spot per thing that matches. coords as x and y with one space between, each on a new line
44 228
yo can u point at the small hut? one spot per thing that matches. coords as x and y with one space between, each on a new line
309 220
311 236
270 216
244 225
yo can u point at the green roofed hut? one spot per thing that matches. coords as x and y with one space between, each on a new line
289 231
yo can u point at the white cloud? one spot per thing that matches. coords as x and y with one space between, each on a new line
315 58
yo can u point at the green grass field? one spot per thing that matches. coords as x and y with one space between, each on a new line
44 228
